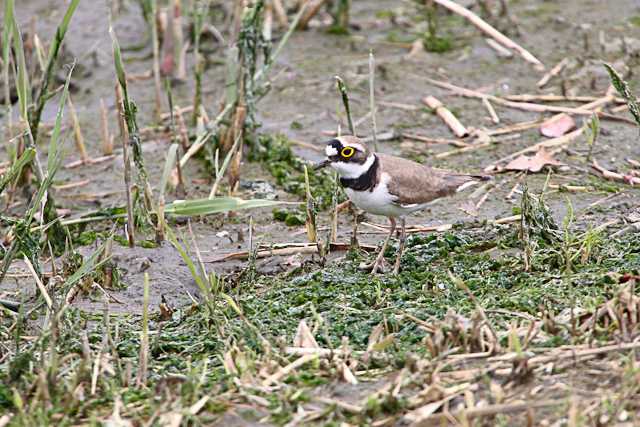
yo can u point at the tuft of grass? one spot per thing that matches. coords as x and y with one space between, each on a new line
24 242
145 208
340 15
592 137
431 41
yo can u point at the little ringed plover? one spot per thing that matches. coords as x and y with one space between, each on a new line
382 184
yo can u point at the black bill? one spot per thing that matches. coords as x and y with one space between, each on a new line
321 164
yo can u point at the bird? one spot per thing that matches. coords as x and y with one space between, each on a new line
382 184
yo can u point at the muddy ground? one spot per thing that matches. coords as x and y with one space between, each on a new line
302 105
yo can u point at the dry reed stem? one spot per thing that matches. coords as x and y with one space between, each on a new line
466 149
77 132
179 46
399 105
615 176
555 98
492 32
311 9
500 50
196 146
182 127
492 112
518 127
384 229
620 108
429 140
549 143
71 185
527 106
144 339
39 283
282 372
281 14
157 86
557 69
372 100
447 116
107 140
267 24
92 161
348 407
236 131
480 412
308 248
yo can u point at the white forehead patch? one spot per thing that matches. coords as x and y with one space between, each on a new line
330 151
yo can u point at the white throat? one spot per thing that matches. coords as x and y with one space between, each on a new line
353 170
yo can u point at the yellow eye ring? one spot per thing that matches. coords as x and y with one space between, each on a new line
347 152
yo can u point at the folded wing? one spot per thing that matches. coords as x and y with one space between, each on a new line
413 183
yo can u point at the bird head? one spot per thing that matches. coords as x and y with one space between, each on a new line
348 155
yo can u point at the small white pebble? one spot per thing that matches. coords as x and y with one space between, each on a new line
624 416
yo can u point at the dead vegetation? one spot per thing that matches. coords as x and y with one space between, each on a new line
525 313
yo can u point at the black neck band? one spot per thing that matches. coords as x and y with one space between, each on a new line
366 181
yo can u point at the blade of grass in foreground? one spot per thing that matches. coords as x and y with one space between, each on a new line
217 205
22 77
54 156
6 53
56 43
623 89
21 230
16 168
199 277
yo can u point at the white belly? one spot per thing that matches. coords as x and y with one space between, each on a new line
380 201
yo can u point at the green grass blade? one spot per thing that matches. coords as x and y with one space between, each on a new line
55 157
22 77
623 89
169 163
53 160
214 206
89 265
187 260
7 30
52 58
55 45
17 167
117 61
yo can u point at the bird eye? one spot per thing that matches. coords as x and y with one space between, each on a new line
347 152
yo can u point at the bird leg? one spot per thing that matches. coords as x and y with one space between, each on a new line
376 265
403 236
356 222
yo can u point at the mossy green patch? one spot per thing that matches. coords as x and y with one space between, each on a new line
275 153
352 303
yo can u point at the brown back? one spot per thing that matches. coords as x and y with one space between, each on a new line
413 183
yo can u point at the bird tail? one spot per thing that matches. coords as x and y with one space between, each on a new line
474 179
